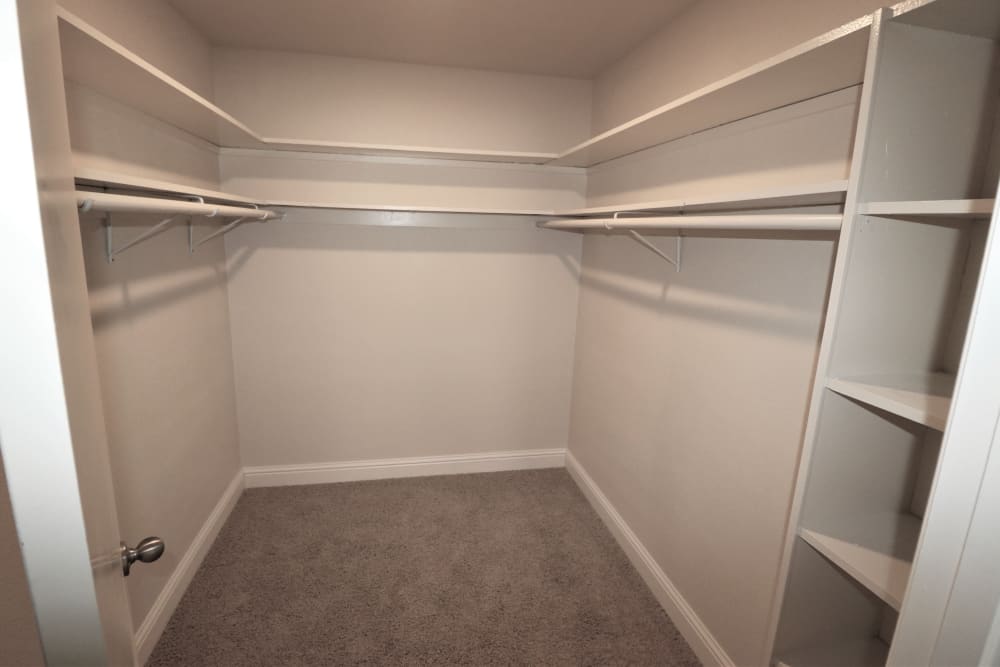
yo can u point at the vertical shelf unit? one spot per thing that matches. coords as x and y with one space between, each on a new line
923 182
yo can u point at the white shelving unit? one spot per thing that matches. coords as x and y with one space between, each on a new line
920 397
857 653
875 550
916 215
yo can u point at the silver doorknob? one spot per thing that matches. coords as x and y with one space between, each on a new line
146 551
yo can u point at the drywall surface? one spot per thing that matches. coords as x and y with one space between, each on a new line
689 402
156 32
161 325
808 142
19 642
364 342
109 136
358 180
709 40
308 96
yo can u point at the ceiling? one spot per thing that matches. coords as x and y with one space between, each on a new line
575 38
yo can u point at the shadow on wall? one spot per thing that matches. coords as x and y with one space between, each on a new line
721 277
149 275
161 271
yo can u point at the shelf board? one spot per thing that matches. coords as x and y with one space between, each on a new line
345 206
93 59
828 63
129 183
96 61
731 222
937 208
877 551
125 182
809 194
870 652
924 398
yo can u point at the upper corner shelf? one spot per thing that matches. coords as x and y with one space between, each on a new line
828 63
96 61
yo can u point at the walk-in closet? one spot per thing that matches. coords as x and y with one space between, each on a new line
655 332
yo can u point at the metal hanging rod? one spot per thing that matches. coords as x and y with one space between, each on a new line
110 203
771 222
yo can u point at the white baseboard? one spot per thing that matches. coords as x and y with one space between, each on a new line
166 602
704 644
418 466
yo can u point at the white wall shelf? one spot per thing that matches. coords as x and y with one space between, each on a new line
940 208
93 59
732 222
831 62
870 652
876 550
96 61
828 63
407 209
808 194
827 193
126 182
920 397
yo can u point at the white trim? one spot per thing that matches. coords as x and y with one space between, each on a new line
704 644
166 602
418 466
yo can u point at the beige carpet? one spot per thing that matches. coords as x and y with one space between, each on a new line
502 568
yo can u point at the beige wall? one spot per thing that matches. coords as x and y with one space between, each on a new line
690 389
19 642
707 41
689 399
161 327
309 96
111 137
377 342
156 32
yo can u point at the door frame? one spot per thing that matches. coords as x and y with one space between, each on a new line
52 433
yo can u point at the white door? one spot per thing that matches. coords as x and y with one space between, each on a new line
52 433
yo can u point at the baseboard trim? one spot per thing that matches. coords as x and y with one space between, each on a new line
704 644
166 602
417 466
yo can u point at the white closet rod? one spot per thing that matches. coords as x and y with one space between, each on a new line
774 222
109 203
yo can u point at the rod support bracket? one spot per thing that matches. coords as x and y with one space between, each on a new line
646 243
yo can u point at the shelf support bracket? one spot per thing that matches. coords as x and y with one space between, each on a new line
642 240
192 244
149 233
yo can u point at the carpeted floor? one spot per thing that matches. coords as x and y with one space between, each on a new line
501 568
